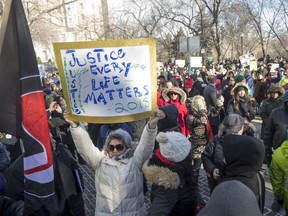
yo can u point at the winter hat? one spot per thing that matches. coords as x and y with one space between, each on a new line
239 78
247 72
239 86
231 124
188 83
119 134
174 146
171 119
228 199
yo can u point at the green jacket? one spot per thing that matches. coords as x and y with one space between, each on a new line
279 173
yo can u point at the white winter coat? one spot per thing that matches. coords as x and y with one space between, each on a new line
119 184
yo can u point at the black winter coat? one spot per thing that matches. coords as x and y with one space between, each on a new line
245 109
170 195
244 156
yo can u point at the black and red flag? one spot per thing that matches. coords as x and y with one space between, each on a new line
22 108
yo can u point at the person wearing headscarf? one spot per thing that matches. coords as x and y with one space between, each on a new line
170 173
177 97
118 168
231 198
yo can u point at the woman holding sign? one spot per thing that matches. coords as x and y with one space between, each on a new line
118 168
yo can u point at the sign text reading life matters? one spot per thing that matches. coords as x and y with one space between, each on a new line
108 81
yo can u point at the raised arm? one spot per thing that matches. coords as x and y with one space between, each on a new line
146 145
91 154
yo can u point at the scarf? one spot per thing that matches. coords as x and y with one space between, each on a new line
126 154
162 158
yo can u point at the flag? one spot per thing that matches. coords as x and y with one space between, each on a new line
22 108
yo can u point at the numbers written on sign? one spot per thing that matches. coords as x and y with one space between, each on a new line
143 104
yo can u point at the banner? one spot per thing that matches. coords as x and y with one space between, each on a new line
22 110
108 81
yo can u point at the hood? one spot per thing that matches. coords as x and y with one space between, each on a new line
232 92
277 89
231 198
165 94
161 176
244 155
284 149
198 103
171 119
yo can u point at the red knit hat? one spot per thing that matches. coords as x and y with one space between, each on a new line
188 83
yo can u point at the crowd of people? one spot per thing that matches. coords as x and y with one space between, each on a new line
204 118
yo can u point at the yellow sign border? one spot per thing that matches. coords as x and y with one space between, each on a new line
151 42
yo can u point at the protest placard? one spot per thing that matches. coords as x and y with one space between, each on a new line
108 81
180 63
246 59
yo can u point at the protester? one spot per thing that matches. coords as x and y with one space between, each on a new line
68 186
118 168
210 96
201 132
170 173
105 129
278 176
273 101
177 97
241 103
189 89
243 159
231 198
169 120
201 135
226 91
212 156
276 130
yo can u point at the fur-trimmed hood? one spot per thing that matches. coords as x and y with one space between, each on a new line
198 103
161 176
277 89
179 91
233 90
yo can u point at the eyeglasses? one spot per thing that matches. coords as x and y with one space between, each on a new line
119 147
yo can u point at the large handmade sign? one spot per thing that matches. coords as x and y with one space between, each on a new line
108 81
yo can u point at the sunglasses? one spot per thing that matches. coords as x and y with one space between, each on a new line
119 147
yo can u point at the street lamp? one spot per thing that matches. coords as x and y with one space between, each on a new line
241 44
